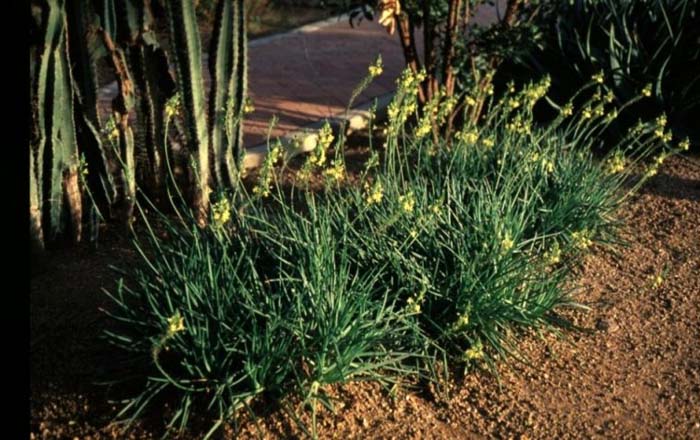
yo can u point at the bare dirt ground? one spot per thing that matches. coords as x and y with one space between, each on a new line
634 372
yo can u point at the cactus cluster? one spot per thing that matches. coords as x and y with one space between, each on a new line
83 168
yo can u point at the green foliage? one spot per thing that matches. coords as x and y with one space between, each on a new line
437 253
635 43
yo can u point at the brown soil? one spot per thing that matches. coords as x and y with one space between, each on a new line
633 373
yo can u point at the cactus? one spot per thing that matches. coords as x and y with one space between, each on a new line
153 82
54 153
228 65
84 51
65 120
122 106
188 62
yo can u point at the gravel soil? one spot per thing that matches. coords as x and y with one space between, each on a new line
631 371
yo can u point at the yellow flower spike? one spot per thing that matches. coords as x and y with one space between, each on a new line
651 171
408 202
567 110
413 305
336 173
462 321
507 243
475 352
248 107
611 116
554 255
599 78
221 212
548 166
616 163
582 239
114 134
684 145
376 69
609 97
661 121
176 324
424 128
374 194
668 137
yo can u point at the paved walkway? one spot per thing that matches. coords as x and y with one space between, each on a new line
306 76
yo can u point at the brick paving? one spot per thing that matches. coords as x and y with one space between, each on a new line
308 76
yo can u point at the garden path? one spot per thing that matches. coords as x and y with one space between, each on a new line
307 75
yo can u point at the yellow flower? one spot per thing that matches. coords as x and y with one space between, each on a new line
424 127
114 134
374 193
661 121
376 69
657 281
221 212
548 166
488 143
337 171
513 103
176 323
470 101
599 78
172 106
567 110
407 202
609 97
413 233
652 171
616 163
611 116
507 243
587 113
476 351
462 321
470 137
646 91
388 10
554 254
248 107
413 306
582 239
684 145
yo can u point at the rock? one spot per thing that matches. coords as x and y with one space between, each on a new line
605 325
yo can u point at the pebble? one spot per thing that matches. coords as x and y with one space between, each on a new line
607 326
